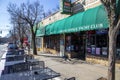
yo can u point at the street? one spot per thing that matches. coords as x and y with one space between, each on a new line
3 48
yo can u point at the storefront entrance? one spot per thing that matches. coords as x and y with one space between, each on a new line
82 47
75 45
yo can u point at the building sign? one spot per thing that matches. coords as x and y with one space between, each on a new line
118 53
84 28
104 50
88 50
93 49
102 31
65 6
77 7
98 51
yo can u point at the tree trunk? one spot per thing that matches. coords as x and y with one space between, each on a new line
112 54
21 43
34 44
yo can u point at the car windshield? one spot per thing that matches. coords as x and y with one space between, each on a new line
12 45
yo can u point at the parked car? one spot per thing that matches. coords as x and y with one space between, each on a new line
14 49
12 46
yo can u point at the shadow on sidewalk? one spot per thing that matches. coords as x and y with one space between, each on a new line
57 58
72 61
49 55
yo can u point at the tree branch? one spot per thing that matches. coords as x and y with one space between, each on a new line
117 26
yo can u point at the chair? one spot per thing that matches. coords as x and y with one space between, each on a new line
21 67
28 57
72 78
21 52
38 65
16 58
9 59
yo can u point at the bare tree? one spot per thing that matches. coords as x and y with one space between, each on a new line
31 13
11 38
19 27
22 31
114 18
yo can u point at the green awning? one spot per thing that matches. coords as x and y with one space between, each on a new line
92 19
40 32
47 29
118 7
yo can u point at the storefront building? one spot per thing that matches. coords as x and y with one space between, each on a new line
41 44
83 35
77 7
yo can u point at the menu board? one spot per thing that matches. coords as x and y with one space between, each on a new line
98 51
104 50
118 52
88 50
93 49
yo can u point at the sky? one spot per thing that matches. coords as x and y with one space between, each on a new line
5 17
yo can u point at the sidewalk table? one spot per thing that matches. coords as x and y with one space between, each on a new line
32 60
39 74
19 61
13 55
21 64
8 66
10 63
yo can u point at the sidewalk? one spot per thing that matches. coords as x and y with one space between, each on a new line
2 62
81 70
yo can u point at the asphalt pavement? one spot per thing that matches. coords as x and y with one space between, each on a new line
3 49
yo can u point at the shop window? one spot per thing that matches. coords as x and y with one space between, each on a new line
52 42
97 43
102 41
68 44
118 41
91 44
46 42
38 42
73 44
118 47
